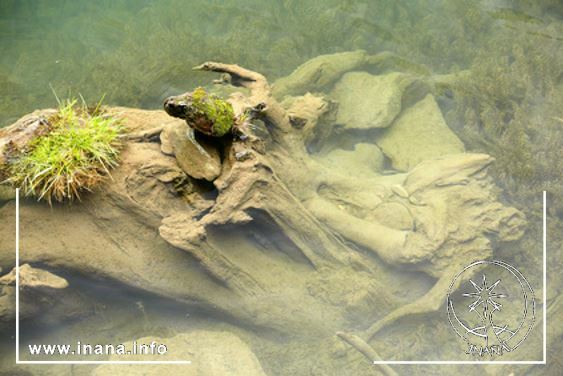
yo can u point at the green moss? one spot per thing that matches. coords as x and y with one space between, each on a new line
217 110
76 155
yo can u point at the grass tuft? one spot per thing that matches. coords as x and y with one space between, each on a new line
78 153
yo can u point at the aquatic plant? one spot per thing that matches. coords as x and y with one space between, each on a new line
76 154
509 107
506 106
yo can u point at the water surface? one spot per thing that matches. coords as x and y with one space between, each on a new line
136 53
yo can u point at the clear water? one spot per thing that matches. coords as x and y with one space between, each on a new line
136 53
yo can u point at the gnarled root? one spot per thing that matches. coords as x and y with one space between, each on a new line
324 70
368 351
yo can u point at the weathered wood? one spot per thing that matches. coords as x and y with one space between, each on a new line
324 214
18 135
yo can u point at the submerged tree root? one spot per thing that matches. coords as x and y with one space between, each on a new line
446 209
362 347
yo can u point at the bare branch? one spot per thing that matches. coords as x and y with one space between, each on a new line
368 351
260 92
239 76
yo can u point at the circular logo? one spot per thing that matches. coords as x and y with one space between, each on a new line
492 310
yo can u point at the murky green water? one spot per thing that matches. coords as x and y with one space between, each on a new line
136 53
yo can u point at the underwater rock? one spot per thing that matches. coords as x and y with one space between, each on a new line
38 292
196 162
34 278
419 133
366 101
319 72
211 353
364 160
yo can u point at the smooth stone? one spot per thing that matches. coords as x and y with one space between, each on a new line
419 133
364 160
191 160
33 278
366 101
39 294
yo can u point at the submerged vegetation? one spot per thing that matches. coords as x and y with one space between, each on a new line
508 105
77 153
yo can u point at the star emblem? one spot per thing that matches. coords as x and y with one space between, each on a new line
484 296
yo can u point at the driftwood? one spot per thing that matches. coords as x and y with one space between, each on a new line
285 183
19 135
307 219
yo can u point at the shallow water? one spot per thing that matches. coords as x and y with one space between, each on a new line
136 53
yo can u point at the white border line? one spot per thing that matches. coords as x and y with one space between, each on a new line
500 362
18 361
544 277
104 362
17 276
